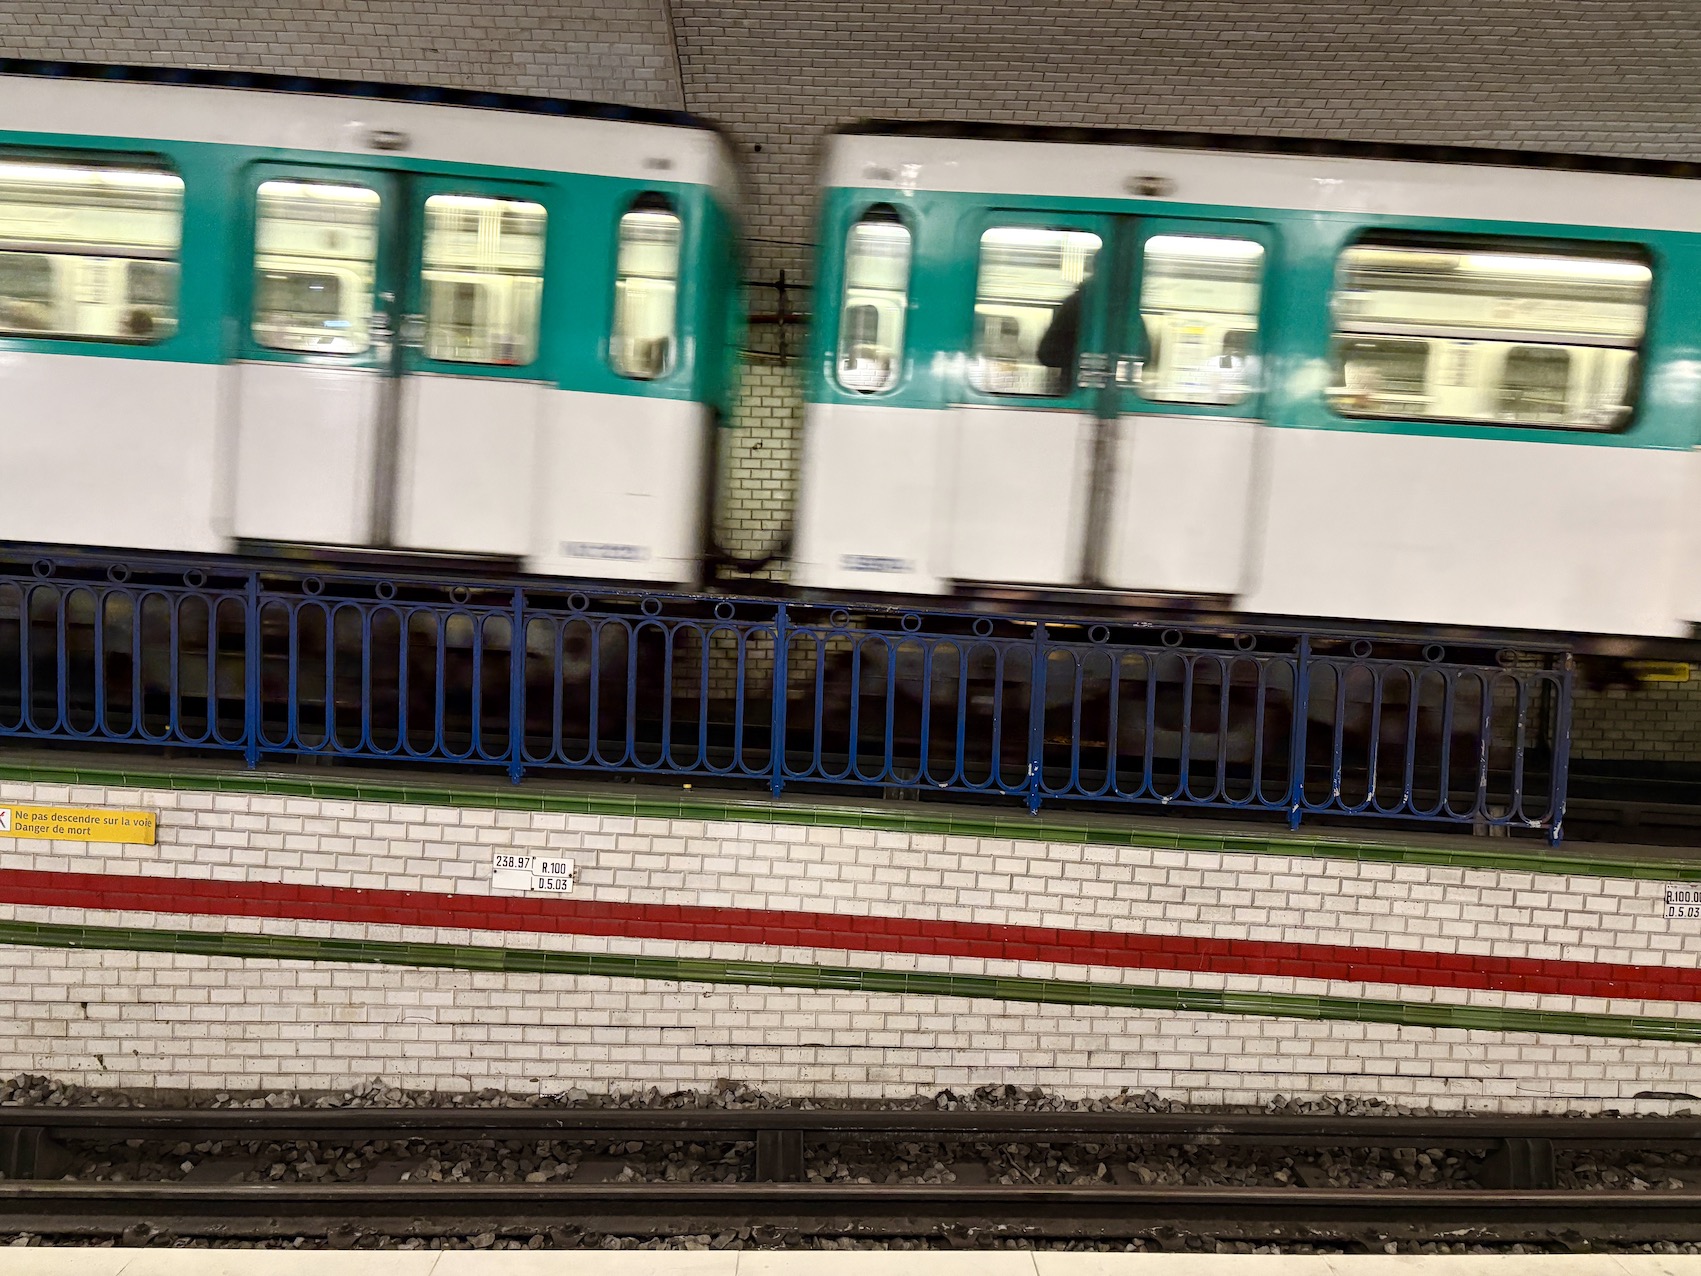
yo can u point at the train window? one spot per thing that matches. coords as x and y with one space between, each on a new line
877 287
1028 308
1488 333
1199 305
1380 376
316 251
646 288
1534 384
483 273
72 238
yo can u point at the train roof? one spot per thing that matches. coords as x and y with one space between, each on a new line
506 130
1186 139
1219 170
373 90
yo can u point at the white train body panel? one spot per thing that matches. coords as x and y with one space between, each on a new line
618 490
1181 514
1480 532
305 444
1686 572
100 451
865 522
466 464
1014 505
1283 521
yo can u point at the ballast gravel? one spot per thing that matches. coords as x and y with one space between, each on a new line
890 1162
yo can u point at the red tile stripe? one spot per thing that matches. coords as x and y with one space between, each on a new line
695 924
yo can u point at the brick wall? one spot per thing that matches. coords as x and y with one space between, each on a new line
614 53
272 940
182 1021
1659 722
1560 74
759 461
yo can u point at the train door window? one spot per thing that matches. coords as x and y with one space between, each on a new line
1534 385
1199 303
483 272
316 252
1028 308
877 283
1382 377
69 232
150 289
646 288
1521 322
29 296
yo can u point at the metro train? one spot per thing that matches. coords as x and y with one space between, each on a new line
1412 388
261 319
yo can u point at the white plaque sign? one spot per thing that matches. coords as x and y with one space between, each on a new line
1684 902
543 873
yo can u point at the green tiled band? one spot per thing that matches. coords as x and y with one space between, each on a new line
1014 825
1064 992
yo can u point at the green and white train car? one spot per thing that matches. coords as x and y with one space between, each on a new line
310 314
1442 389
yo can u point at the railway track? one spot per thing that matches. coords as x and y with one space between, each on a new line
1518 1150
139 1210
1516 1198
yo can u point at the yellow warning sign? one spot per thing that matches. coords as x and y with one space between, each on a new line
78 824
1659 670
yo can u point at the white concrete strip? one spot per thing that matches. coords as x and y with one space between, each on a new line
628 1262
803 1262
67 1261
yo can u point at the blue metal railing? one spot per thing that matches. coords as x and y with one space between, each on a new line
272 662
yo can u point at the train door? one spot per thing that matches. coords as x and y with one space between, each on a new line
384 387
471 402
1025 424
1175 467
1106 430
316 357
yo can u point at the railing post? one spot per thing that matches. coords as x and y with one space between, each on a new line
1301 714
252 674
1562 747
517 687
1036 722
777 717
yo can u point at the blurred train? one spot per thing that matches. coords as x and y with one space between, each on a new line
264 319
1419 389
1319 384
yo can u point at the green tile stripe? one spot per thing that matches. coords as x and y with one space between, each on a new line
1063 992
1017 826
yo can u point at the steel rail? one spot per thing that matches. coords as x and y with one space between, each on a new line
104 1209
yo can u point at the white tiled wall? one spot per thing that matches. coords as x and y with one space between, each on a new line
145 1019
160 1019
759 462
849 870
614 53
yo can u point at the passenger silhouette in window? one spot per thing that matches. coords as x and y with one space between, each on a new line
1057 347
